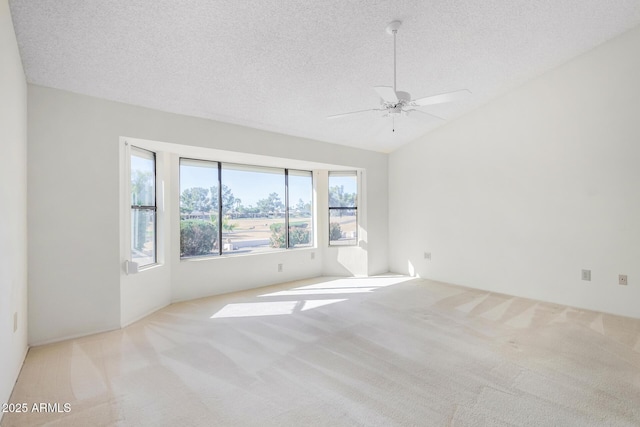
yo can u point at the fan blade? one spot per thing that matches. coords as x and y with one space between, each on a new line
428 114
335 116
387 94
442 98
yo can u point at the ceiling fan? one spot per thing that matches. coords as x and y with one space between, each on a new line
394 103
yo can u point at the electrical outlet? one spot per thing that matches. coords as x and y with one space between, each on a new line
622 279
427 255
279 268
15 321
586 275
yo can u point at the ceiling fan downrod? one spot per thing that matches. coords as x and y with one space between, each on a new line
392 29
395 32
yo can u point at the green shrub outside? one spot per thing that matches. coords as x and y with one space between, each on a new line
197 237
335 231
298 235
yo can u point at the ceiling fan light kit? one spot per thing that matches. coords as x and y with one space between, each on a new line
395 103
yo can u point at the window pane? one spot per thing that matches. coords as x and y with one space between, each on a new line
343 226
143 193
252 208
300 208
198 208
143 241
143 188
343 189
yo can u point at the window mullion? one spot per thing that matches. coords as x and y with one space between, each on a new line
286 208
219 208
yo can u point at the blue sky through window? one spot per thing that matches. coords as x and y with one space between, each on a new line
253 186
349 182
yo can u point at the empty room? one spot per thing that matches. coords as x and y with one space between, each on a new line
326 213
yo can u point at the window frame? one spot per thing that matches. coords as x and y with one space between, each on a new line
147 208
349 208
219 183
312 244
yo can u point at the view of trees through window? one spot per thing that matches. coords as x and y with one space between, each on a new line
343 208
300 208
143 207
247 214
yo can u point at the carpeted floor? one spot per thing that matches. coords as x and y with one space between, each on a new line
333 352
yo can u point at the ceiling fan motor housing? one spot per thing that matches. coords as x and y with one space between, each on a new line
395 111
397 108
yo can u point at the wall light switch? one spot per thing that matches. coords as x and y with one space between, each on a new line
427 255
586 275
279 268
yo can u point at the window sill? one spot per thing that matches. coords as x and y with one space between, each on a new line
241 255
150 267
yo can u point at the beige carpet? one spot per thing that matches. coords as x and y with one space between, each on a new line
375 351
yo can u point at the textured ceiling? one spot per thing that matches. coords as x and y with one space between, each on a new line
285 65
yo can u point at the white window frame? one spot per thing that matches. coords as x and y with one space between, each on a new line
129 152
219 183
357 176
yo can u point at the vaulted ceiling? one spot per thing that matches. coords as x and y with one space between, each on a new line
285 65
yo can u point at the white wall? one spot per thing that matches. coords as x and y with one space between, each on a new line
13 207
520 195
77 283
